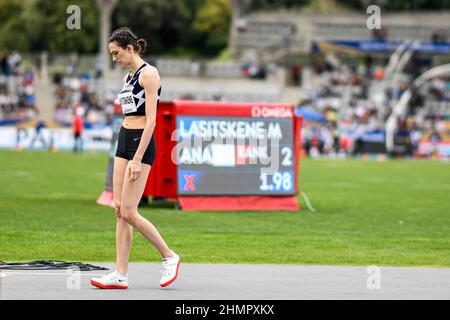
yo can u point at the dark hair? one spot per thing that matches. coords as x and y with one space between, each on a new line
124 36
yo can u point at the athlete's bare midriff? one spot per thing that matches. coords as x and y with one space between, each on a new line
134 122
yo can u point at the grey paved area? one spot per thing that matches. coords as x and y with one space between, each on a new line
235 282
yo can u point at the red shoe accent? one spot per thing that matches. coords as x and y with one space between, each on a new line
102 286
174 278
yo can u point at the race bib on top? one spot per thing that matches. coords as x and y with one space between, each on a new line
126 99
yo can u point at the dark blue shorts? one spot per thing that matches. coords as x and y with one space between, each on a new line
128 144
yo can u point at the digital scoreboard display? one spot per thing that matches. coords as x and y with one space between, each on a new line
233 155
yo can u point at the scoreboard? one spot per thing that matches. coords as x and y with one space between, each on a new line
234 155
226 155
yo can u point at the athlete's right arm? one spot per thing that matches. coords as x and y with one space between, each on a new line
150 82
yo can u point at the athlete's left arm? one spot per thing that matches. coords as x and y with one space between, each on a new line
150 81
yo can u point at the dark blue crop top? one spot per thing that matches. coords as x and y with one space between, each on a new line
138 92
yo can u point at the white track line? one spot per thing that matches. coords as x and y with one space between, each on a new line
4 274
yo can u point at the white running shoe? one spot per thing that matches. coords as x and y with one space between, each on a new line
112 280
169 270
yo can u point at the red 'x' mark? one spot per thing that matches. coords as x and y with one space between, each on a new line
189 182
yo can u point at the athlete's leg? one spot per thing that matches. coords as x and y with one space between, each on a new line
43 142
131 195
124 231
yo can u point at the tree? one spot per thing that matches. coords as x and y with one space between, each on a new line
212 24
12 28
9 9
164 24
40 25
46 21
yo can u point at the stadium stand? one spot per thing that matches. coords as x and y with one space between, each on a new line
17 92
298 30
338 96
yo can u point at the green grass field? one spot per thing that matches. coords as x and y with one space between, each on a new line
394 213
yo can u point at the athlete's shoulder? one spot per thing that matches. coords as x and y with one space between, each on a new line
150 75
150 70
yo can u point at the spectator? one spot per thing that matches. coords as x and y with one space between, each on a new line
380 34
17 96
77 128
4 65
296 74
39 135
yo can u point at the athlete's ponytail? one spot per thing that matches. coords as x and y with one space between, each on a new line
142 45
124 37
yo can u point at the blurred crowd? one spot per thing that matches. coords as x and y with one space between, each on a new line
77 92
338 110
342 114
74 89
17 90
254 70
